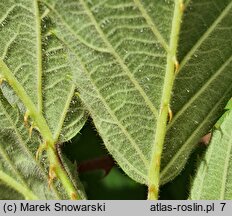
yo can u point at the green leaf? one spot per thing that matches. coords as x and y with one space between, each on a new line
123 101
39 61
214 175
38 80
7 193
125 56
18 167
203 84
228 107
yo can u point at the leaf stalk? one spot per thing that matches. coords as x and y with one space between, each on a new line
154 169
43 127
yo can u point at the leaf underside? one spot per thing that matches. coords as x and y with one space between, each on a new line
17 155
119 51
214 175
38 60
204 83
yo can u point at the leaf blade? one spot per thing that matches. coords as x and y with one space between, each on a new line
118 61
19 151
45 75
33 65
213 177
202 86
122 37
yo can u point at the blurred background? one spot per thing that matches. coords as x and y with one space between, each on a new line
103 179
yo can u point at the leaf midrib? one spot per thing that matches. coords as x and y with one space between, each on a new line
177 155
157 148
171 59
215 75
200 91
34 109
24 146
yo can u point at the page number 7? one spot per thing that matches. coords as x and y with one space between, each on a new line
222 205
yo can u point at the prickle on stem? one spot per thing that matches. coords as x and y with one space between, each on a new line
77 94
31 129
2 79
170 114
73 196
182 7
152 192
177 65
25 118
51 175
42 147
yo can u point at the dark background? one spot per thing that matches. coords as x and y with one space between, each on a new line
103 178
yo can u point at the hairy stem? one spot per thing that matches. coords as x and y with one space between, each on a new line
172 65
32 110
45 131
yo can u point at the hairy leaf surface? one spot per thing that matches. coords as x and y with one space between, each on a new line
125 52
227 108
214 175
37 60
17 158
114 64
204 81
